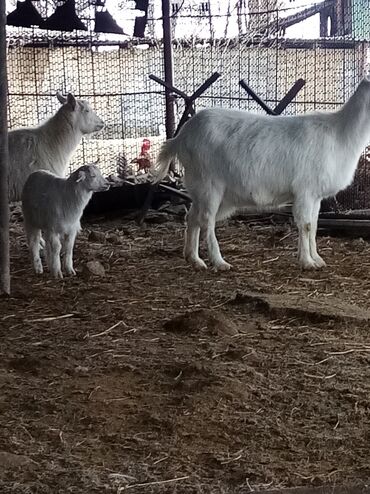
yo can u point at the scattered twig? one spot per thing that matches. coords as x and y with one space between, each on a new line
133 330
345 352
313 363
320 377
7 317
121 476
160 460
286 236
249 486
231 460
310 280
93 391
225 302
115 399
271 260
51 318
157 482
323 360
106 331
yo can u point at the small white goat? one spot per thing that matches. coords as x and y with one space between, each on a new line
55 205
235 160
50 145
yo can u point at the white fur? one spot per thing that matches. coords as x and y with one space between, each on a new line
55 205
50 145
235 160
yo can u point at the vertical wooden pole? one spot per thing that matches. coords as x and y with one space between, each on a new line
4 163
168 68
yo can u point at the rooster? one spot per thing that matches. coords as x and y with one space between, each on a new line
144 160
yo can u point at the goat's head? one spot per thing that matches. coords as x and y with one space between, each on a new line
90 178
81 114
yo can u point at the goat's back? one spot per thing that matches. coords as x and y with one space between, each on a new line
50 202
269 158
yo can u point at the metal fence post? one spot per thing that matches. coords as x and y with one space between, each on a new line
4 165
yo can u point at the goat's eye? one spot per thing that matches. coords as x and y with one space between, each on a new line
87 110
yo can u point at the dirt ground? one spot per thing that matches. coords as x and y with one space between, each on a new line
157 379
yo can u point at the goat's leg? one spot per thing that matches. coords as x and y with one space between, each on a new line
302 212
68 247
33 238
53 248
42 243
214 253
319 261
192 232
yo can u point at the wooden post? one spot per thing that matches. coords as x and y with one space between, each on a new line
4 165
168 68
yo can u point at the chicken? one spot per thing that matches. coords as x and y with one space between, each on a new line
144 160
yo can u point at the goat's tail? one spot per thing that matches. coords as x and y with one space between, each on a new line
166 154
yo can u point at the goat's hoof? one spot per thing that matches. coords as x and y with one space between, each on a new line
37 266
70 272
58 275
308 264
198 264
319 262
224 266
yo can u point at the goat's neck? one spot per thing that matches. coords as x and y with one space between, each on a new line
61 138
78 194
354 121
75 198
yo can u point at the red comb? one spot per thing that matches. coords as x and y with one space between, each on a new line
146 145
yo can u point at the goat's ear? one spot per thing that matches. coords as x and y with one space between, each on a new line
61 98
71 101
367 77
81 176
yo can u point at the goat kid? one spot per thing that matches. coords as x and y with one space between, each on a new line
54 206
50 145
235 160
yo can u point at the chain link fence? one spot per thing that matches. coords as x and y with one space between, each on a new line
267 44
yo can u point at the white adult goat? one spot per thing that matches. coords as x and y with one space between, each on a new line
235 160
50 145
55 205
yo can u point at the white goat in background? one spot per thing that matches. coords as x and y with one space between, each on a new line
50 145
236 159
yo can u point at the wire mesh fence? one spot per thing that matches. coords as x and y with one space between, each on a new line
116 83
267 43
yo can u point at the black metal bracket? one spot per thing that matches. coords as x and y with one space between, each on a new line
188 112
288 98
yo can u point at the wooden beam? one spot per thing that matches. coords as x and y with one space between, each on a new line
4 161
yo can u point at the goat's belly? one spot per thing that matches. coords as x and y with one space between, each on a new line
258 199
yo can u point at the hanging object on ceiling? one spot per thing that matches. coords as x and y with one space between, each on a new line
25 15
140 22
141 5
104 23
64 18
